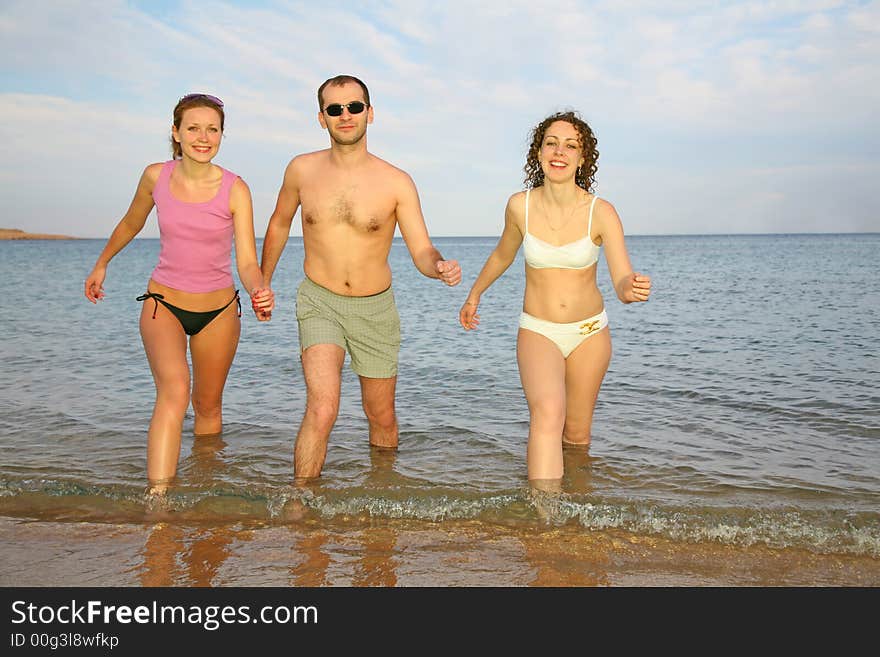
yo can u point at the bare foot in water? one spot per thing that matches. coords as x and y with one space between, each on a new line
156 502
544 495
293 511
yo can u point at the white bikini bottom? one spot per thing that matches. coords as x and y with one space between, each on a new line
566 336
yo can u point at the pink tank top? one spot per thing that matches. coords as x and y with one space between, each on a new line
195 245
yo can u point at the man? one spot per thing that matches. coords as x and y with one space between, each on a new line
351 203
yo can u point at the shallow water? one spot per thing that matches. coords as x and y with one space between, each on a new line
739 411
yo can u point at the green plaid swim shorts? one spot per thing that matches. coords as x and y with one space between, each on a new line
368 328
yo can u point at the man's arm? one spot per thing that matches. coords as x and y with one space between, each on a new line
278 229
424 254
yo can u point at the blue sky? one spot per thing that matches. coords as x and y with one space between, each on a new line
712 117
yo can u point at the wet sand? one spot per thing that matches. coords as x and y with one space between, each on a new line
363 552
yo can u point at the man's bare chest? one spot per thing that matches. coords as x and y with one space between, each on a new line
358 206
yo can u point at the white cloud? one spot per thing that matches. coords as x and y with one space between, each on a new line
456 86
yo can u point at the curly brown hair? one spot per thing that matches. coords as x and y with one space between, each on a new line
586 173
188 102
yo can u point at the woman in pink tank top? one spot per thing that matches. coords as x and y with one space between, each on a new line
201 209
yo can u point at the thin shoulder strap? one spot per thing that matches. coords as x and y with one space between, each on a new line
590 225
165 171
224 195
527 210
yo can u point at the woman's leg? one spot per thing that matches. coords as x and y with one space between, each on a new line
542 372
584 370
212 350
165 346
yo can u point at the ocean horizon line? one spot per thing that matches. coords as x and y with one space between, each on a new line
398 238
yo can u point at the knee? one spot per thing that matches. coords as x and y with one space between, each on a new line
576 435
548 411
322 413
174 393
381 416
207 407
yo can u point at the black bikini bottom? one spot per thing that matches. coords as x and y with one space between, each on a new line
191 322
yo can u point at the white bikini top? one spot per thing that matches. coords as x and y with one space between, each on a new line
579 254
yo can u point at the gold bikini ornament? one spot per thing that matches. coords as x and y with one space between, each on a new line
589 326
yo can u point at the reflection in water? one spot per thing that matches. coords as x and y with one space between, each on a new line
381 470
362 551
206 460
577 474
174 557
377 567
160 552
375 564
315 562
568 555
210 548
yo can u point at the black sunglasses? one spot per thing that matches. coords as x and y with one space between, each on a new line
354 107
208 97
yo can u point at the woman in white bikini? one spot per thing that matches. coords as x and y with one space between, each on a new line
564 345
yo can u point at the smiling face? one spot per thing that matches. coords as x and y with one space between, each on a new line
347 128
559 146
561 153
199 133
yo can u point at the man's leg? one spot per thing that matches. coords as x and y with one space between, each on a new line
378 400
322 369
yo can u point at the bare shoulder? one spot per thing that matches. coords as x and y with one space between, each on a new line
310 159
392 180
516 206
604 210
152 171
240 198
517 200
149 177
604 205
302 168
394 174
240 186
305 162
606 221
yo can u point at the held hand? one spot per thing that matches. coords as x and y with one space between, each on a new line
468 315
449 271
94 284
263 302
639 288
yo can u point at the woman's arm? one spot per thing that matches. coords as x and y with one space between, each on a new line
129 226
630 286
242 208
497 262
